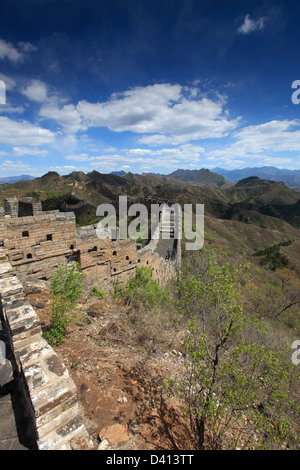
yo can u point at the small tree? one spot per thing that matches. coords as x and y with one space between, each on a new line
236 391
65 291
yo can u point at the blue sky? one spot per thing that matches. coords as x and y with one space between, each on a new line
148 85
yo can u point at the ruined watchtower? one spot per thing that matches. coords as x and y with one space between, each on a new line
22 207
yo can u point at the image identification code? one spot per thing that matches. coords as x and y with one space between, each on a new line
152 459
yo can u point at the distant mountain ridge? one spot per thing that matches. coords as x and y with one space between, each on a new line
215 178
220 177
15 179
291 178
201 178
118 173
251 200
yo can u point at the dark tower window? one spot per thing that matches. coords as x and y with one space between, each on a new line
25 209
29 256
25 233
49 237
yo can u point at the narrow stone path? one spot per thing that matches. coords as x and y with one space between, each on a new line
163 246
166 229
15 432
10 424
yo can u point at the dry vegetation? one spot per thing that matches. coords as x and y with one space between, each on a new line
125 346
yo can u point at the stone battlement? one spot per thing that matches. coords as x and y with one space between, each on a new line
37 245
49 395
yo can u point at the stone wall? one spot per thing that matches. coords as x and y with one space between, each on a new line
48 393
32 248
103 261
22 207
28 240
36 246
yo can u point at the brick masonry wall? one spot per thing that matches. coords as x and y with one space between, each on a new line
36 246
33 248
49 394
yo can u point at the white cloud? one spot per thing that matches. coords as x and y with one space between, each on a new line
110 149
64 169
13 54
173 113
250 25
23 133
182 153
32 151
12 167
146 159
139 157
53 107
275 135
36 91
66 116
10 83
8 51
259 142
82 157
27 46
7 109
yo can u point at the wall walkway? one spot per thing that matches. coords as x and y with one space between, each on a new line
47 393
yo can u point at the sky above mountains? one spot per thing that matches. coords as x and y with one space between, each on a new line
148 85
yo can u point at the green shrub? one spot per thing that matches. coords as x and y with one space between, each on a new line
272 258
144 289
34 194
65 291
97 292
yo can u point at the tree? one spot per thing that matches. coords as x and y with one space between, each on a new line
237 392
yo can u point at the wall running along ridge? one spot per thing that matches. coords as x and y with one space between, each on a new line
33 245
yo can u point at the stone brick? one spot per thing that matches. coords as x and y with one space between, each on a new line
10 287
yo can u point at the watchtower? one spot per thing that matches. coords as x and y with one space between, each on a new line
22 207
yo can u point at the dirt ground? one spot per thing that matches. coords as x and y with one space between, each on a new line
120 386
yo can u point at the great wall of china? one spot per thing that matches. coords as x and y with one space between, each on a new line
33 245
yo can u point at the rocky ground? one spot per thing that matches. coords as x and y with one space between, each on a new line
120 386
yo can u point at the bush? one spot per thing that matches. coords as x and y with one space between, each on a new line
97 292
144 289
273 259
65 291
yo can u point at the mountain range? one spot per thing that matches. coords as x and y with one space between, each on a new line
15 179
215 178
220 177
246 216
291 178
249 200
